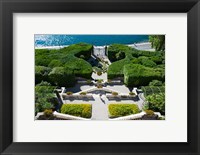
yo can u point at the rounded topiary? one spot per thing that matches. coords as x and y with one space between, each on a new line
99 81
99 73
114 93
99 86
48 112
69 93
83 93
132 93
149 112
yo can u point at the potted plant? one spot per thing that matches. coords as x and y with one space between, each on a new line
114 93
132 94
99 73
83 93
69 93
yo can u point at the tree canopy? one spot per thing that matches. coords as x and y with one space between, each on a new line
157 42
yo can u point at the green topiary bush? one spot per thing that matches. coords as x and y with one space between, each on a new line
149 112
99 73
145 61
132 93
114 93
99 86
152 60
138 75
118 110
99 81
62 77
41 73
55 63
69 93
79 67
68 57
118 52
115 70
43 57
83 93
80 110
135 60
155 83
138 53
48 112
157 59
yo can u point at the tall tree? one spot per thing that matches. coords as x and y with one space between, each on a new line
157 42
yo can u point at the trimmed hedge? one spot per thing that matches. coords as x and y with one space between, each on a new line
157 59
41 73
80 110
145 61
84 53
138 53
117 52
138 75
68 57
44 56
79 67
55 63
118 110
115 70
155 83
145 58
62 77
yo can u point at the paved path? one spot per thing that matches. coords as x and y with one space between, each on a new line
119 88
103 76
99 109
146 46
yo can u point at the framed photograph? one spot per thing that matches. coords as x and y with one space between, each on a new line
104 77
99 77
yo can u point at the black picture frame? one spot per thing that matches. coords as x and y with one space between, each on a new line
8 7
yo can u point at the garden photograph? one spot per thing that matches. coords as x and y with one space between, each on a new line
107 77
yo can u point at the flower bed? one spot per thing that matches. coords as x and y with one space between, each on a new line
80 110
118 110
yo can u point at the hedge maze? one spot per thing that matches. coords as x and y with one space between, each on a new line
138 68
61 66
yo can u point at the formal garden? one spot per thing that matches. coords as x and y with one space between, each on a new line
126 83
